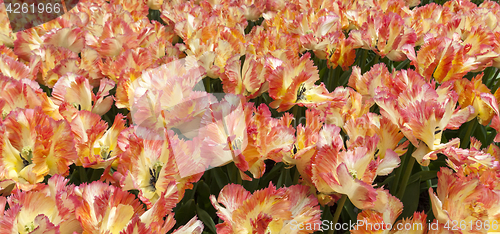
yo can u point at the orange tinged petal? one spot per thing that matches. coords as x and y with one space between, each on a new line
266 210
36 145
269 139
69 38
27 41
247 80
417 224
105 208
444 59
331 174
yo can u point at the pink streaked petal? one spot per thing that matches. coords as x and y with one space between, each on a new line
194 226
44 226
103 106
361 194
70 38
3 202
12 68
305 207
388 163
437 208
74 89
187 155
232 196
491 101
135 226
495 124
459 117
423 154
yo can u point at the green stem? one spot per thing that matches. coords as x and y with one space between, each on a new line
96 174
470 128
377 57
406 177
493 79
296 114
234 173
487 75
207 84
336 215
238 177
323 67
428 182
330 83
400 169
363 61
281 180
296 176
70 179
262 100
83 175
337 77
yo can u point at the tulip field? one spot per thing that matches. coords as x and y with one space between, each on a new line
249 116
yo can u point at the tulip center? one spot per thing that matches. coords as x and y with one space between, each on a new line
105 152
29 227
477 209
300 92
76 105
236 144
26 155
155 174
353 173
4 114
294 149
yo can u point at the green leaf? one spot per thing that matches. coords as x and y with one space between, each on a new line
83 175
234 173
344 78
480 134
185 212
220 177
349 208
271 175
96 174
285 179
203 197
430 215
280 182
203 189
422 176
323 71
206 219
394 185
288 178
411 198
402 64
466 134
491 137
190 192
387 180
436 165
327 214
251 186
